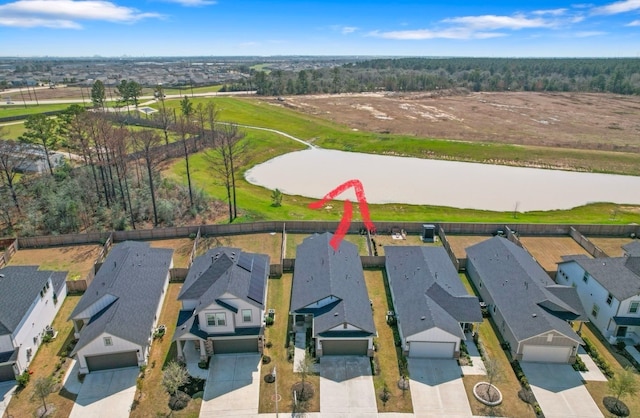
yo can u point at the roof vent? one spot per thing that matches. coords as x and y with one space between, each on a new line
335 314
534 315
422 318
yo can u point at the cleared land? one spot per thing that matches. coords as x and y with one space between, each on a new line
549 250
459 243
78 260
611 246
181 249
387 240
293 240
255 243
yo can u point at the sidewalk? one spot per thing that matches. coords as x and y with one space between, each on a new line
478 365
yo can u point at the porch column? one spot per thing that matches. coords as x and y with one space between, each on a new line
203 351
180 353
76 331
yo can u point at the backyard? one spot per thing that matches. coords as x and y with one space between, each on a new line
293 240
181 249
268 243
78 260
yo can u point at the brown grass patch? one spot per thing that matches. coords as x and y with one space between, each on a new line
611 246
181 249
268 243
549 250
78 260
459 243
387 240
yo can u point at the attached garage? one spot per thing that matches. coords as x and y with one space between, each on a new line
345 347
6 373
246 345
546 354
112 361
423 349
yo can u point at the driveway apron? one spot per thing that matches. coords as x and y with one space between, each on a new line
346 387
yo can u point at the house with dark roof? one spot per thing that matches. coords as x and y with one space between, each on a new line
329 295
632 249
29 301
432 308
609 288
116 317
532 312
223 303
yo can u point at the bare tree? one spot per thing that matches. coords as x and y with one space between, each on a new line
43 387
163 117
146 142
11 160
186 129
41 130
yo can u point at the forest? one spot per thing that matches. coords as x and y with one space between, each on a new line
619 76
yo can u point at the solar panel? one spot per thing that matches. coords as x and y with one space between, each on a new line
245 261
257 283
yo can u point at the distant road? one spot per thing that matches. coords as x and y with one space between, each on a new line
168 96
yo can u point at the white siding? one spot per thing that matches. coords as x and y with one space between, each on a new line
234 320
590 292
30 331
97 346
189 304
433 335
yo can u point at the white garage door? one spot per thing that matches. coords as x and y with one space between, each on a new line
546 354
431 349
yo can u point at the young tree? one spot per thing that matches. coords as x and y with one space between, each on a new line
186 107
41 130
98 94
276 198
43 387
124 93
185 130
623 384
135 91
306 367
11 159
173 376
493 370
146 142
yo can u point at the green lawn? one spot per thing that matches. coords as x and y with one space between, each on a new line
12 131
6 111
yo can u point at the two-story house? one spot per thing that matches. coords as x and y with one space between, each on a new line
609 289
115 319
223 303
29 301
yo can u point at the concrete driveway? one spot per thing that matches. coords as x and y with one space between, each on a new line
346 387
437 389
233 386
560 391
107 393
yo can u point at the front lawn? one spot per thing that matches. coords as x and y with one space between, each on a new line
50 360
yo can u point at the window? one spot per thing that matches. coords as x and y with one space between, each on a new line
246 315
595 310
585 278
609 299
218 319
633 308
108 341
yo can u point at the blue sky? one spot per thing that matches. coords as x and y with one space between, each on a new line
298 27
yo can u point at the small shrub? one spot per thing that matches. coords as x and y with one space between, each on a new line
203 364
23 379
63 353
269 344
192 235
538 410
268 321
179 401
375 366
579 365
46 338
266 359
290 353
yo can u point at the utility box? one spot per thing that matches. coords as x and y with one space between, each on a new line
428 233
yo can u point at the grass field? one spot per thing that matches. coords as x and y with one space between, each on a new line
78 260
6 111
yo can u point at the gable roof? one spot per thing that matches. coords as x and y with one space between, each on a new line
530 302
632 248
19 288
226 270
620 276
321 272
133 274
427 290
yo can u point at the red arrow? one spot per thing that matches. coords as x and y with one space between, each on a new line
343 226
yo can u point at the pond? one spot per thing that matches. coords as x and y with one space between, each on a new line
389 179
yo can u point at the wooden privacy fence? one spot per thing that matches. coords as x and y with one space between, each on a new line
584 242
447 247
11 246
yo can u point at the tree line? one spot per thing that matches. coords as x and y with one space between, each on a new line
111 178
619 76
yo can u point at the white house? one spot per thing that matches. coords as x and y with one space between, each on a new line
29 301
117 315
432 307
609 289
223 303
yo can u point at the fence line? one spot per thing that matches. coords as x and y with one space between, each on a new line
194 249
585 243
511 236
447 247
9 252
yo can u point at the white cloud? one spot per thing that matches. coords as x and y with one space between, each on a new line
421 34
589 34
550 12
193 3
618 7
634 23
65 14
348 29
492 22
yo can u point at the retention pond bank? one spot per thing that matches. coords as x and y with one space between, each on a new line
388 179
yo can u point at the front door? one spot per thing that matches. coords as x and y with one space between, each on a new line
621 332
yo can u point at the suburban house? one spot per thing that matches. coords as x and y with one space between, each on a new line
631 249
432 307
531 312
329 295
116 317
609 289
29 301
223 303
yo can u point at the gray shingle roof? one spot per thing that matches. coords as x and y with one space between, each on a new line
529 300
632 248
226 270
134 273
19 288
427 290
321 272
619 275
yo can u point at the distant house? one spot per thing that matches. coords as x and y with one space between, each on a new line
329 295
531 312
117 315
432 307
609 288
223 303
29 301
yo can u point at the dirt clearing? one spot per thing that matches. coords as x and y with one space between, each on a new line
459 243
78 260
549 250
